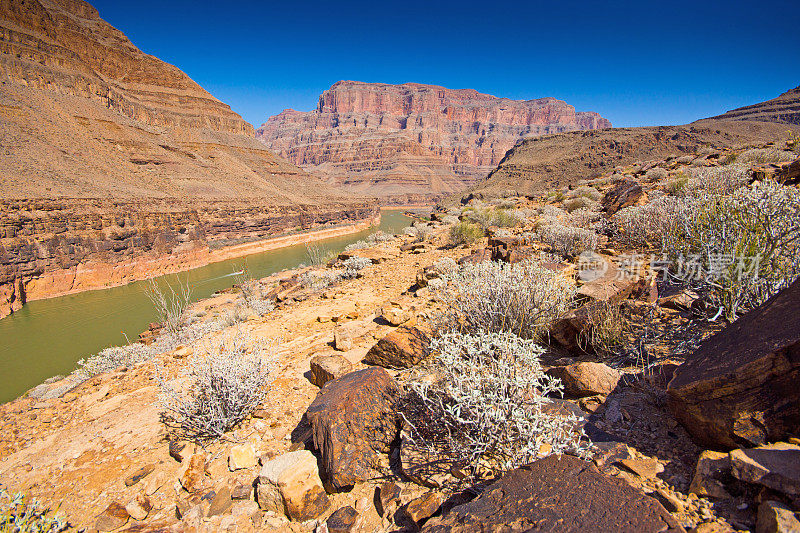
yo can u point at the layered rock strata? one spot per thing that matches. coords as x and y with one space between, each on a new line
384 139
117 166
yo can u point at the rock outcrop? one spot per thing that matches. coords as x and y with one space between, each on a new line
785 108
385 140
559 493
739 388
110 154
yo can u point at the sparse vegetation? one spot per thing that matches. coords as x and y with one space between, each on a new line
223 382
170 302
488 412
740 249
465 232
523 298
318 254
568 240
19 515
253 294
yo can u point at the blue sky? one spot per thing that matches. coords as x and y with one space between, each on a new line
636 63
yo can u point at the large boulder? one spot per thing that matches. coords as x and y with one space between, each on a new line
290 484
353 422
776 466
586 379
625 193
558 493
402 348
739 388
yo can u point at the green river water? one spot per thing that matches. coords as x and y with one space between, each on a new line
47 337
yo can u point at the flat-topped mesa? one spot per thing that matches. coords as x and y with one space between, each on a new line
385 139
64 46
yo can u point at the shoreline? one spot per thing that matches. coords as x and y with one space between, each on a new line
115 275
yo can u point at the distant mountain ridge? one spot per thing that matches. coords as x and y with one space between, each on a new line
384 139
783 109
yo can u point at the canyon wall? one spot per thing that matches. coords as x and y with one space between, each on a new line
387 140
107 152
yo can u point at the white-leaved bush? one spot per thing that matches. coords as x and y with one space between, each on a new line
322 279
568 240
738 250
489 412
223 382
522 298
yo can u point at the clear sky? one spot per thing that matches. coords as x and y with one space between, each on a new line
636 63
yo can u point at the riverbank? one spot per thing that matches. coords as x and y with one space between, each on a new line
48 336
84 262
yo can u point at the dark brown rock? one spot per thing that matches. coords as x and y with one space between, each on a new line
558 493
739 388
776 466
114 517
776 517
624 194
476 257
342 520
177 450
221 502
140 474
586 379
353 421
325 368
387 498
402 348
418 510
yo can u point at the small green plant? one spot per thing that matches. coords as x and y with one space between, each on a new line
465 232
20 516
318 255
503 218
677 185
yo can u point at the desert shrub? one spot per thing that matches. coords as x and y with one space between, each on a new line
677 185
645 226
503 218
318 254
655 174
568 240
488 412
581 202
765 155
322 279
465 232
585 191
449 220
371 240
418 232
131 354
18 515
235 315
605 327
522 298
352 266
718 180
685 159
253 294
223 382
170 302
740 249
585 217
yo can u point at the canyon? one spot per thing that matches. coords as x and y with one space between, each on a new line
392 141
117 166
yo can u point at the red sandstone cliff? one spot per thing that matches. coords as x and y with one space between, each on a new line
117 166
384 139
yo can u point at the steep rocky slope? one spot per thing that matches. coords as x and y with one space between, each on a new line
785 108
384 140
543 163
112 155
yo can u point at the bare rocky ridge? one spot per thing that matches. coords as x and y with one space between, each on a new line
385 140
552 161
785 108
111 155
